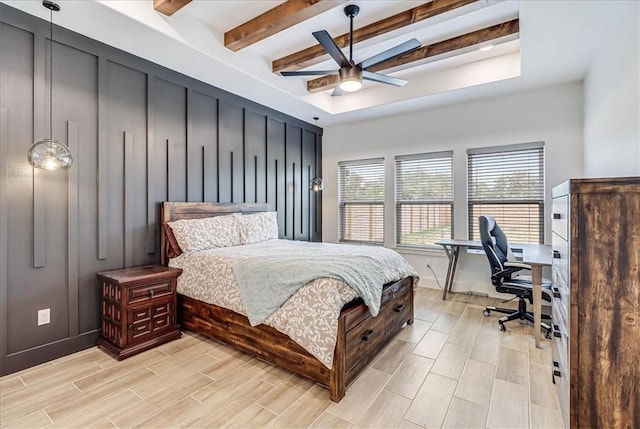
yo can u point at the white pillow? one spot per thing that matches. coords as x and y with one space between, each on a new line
258 227
207 233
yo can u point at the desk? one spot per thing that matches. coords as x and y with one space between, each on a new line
536 255
452 249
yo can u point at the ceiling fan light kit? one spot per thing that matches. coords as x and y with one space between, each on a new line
352 74
350 79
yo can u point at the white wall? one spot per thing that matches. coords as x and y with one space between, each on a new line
612 96
552 115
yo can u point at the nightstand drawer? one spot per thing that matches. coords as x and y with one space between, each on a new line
148 321
149 291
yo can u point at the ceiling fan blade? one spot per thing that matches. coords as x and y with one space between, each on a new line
330 46
309 72
383 78
402 48
336 91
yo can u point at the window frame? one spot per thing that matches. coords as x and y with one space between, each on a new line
399 203
343 205
538 195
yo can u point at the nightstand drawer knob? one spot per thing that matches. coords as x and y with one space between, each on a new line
399 308
151 294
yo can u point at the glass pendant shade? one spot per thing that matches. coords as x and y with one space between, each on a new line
50 155
316 184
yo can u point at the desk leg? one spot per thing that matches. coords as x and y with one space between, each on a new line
451 269
536 271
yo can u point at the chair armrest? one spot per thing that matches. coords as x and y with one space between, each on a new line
517 265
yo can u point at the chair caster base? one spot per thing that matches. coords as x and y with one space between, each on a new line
486 313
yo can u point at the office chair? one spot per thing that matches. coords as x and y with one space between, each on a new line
505 277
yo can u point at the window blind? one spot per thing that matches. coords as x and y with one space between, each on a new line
361 200
508 183
424 198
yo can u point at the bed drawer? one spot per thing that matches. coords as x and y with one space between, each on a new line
397 312
364 339
395 291
355 314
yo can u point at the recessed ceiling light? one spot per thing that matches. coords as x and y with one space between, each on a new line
486 48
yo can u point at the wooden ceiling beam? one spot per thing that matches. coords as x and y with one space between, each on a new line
443 47
169 7
275 20
317 54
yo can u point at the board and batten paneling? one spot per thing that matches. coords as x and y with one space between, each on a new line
140 134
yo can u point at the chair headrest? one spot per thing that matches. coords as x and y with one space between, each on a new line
491 222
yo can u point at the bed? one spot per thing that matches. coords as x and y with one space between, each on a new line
359 337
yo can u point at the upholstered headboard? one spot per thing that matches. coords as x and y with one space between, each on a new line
172 211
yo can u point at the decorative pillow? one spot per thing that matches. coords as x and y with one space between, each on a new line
259 227
173 248
207 233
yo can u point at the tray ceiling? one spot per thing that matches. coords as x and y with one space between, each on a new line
535 44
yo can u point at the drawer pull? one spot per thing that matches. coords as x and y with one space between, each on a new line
369 334
556 292
173 305
130 325
173 319
556 255
557 216
557 373
556 331
399 308
151 294
556 364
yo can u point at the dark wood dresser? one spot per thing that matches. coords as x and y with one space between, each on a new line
138 308
596 306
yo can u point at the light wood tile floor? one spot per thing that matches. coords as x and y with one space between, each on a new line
452 368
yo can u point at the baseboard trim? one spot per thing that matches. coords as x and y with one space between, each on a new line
34 356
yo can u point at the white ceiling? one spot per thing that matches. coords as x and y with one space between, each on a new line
557 42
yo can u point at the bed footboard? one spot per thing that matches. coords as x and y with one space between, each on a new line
360 336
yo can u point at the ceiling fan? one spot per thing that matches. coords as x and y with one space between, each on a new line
351 74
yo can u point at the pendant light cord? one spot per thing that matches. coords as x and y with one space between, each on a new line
50 74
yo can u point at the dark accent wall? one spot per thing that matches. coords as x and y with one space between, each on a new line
140 134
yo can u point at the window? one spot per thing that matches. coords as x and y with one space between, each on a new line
424 198
361 200
508 183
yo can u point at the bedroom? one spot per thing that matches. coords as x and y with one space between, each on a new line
589 124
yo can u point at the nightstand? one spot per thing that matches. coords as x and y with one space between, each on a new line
138 308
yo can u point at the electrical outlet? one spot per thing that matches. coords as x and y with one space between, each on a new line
44 316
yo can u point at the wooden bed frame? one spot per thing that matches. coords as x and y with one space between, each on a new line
360 336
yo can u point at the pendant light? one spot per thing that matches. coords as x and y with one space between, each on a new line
316 184
50 154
